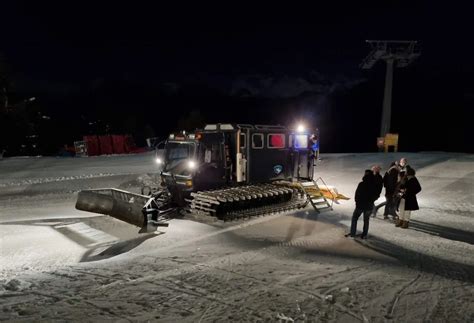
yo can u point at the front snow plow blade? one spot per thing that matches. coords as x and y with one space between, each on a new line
136 209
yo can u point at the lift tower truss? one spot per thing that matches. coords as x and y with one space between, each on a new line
398 53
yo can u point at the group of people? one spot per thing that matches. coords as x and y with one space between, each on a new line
401 187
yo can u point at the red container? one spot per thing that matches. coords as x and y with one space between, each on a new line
129 144
118 142
106 147
92 143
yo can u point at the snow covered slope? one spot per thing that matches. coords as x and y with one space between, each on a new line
60 264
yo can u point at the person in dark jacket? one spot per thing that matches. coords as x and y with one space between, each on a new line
399 190
390 182
409 202
378 180
364 199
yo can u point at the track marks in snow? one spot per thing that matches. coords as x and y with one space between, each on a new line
397 296
31 181
251 287
248 285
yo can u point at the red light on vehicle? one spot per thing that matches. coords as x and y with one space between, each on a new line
277 141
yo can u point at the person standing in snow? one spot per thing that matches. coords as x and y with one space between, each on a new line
409 202
390 182
378 186
364 199
399 191
378 181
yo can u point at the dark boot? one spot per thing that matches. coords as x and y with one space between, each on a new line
405 224
399 223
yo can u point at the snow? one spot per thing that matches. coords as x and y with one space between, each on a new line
58 263
24 171
37 247
52 179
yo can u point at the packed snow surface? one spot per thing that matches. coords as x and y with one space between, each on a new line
61 264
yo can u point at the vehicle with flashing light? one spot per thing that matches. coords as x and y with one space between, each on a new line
228 171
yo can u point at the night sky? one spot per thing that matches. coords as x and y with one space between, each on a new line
150 69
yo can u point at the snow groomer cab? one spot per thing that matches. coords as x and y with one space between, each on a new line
228 155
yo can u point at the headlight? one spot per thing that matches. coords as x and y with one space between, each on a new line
158 161
191 164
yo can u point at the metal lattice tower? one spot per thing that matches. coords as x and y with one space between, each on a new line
400 53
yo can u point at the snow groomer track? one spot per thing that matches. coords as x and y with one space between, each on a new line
247 201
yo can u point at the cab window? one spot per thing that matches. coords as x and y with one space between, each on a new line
243 140
257 141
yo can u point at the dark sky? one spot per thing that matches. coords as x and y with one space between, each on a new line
80 40
60 48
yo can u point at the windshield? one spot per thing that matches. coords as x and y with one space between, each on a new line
178 154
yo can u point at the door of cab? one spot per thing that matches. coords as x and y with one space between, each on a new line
211 172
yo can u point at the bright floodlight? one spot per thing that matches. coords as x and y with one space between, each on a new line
158 161
191 164
300 128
